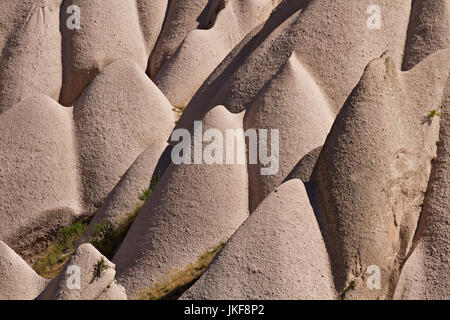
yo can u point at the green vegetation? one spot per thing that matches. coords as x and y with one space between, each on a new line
100 266
106 237
179 109
177 282
434 113
51 263
350 286
147 193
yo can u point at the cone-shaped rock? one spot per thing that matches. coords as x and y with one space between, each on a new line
193 209
332 41
118 116
207 48
426 273
293 104
108 30
85 276
31 59
278 253
373 170
181 18
17 280
123 201
38 178
429 30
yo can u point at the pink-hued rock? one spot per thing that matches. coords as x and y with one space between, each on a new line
193 208
87 275
39 181
118 116
426 273
109 30
123 200
330 38
374 168
181 18
17 280
30 44
278 253
207 48
293 104
429 30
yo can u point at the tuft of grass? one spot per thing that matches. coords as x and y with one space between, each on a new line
106 237
147 193
179 109
433 113
100 266
51 263
177 282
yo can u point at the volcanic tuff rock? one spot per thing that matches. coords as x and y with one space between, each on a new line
124 198
358 208
121 109
201 204
31 51
380 158
426 272
17 279
39 184
96 278
278 253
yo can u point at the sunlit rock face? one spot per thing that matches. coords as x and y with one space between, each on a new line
224 149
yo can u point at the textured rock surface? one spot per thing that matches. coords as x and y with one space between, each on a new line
181 17
330 38
202 204
17 280
374 168
120 110
39 187
207 48
351 96
278 253
426 273
96 275
31 55
300 101
429 30
124 198
113 292
109 31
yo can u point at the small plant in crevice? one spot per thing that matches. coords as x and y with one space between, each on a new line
351 286
179 109
147 193
433 113
99 267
